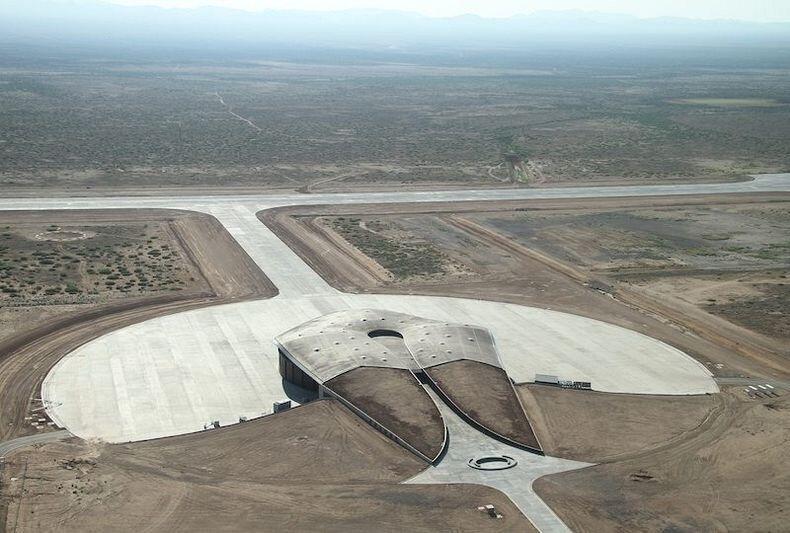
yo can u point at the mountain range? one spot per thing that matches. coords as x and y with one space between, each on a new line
74 20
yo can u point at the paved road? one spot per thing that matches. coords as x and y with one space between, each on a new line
292 276
465 442
9 446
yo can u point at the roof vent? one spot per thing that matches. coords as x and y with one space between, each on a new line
384 333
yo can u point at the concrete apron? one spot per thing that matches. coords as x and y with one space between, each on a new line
465 442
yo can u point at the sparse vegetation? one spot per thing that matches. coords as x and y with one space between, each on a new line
46 265
729 102
357 125
403 258
667 240
730 260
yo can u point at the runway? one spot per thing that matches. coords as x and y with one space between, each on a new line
761 183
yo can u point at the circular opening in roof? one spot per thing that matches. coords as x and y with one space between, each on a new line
492 462
384 333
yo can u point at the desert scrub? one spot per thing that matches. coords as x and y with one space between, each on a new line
401 258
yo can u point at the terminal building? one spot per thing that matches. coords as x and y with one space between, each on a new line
390 369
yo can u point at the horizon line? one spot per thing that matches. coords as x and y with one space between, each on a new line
120 3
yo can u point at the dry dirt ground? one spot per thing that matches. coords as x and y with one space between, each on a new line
395 399
316 465
599 427
486 395
39 328
460 249
728 474
703 463
729 259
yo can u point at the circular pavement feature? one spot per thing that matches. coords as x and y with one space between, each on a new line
492 462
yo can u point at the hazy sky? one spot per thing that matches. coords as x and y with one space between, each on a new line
756 10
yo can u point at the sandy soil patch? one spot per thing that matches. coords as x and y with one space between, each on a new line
595 427
61 235
485 394
317 464
726 477
395 399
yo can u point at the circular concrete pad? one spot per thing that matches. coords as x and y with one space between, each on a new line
175 374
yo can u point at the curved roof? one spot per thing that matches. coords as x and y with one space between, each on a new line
333 344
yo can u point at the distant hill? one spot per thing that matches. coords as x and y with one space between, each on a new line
48 21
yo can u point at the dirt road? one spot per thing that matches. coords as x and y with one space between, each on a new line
6 447
230 110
